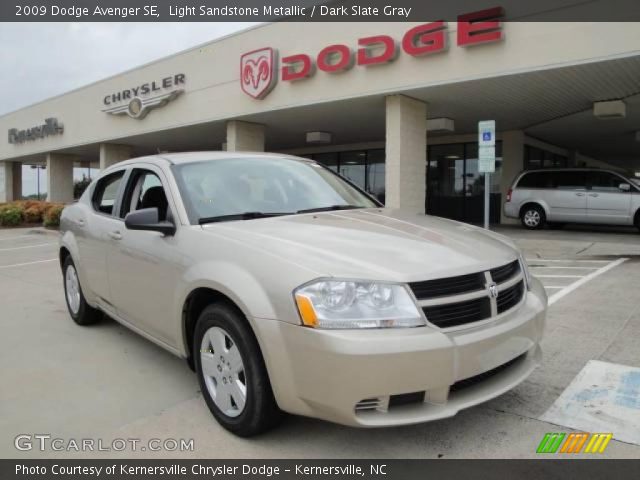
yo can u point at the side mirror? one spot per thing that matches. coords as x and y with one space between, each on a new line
147 219
625 187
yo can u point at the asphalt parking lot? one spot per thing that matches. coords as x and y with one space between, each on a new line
107 382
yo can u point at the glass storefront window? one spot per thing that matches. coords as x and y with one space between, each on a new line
535 157
375 173
455 187
328 159
353 167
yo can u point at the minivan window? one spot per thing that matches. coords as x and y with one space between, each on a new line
605 182
569 180
536 180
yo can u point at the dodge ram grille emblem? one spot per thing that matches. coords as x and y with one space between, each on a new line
493 290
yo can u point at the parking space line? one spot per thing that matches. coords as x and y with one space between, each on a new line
562 293
28 246
559 276
562 267
565 260
28 263
552 286
17 236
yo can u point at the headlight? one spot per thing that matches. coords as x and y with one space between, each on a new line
525 270
356 304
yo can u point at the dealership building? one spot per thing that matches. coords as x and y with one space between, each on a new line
394 107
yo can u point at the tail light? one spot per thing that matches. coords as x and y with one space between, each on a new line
509 195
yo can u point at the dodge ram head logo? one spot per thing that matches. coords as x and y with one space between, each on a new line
258 72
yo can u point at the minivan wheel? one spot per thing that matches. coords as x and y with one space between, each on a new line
533 217
81 312
231 371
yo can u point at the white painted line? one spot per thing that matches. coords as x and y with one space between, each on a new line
562 267
559 276
557 296
567 260
549 286
28 246
17 236
28 263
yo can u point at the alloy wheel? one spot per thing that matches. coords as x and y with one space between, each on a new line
73 289
223 371
532 218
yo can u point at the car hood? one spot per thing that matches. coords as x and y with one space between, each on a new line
380 244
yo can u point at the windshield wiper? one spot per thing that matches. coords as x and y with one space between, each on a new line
241 216
329 208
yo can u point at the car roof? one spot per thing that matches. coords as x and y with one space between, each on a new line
190 157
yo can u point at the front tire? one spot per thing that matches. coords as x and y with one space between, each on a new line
533 217
231 371
81 312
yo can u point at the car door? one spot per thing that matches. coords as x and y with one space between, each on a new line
144 266
567 199
94 241
606 202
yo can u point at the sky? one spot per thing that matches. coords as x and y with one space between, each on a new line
40 60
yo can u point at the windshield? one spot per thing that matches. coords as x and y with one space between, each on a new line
247 188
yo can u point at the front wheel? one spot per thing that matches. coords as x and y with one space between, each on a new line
81 312
232 374
533 217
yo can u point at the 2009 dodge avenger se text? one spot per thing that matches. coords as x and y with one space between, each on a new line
289 289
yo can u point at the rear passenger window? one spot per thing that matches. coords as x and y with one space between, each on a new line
106 192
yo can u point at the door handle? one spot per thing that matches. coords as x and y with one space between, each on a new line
593 194
579 194
115 235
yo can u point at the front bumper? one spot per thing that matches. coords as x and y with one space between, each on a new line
329 373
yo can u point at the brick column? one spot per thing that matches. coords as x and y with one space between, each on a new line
406 153
10 181
60 177
245 136
111 153
512 164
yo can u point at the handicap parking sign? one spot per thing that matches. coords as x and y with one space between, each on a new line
486 136
486 133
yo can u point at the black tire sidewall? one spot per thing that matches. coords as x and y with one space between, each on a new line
251 420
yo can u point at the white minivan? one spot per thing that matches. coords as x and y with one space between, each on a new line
573 195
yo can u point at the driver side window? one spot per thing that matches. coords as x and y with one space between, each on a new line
145 190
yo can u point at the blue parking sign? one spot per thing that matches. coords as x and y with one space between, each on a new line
486 136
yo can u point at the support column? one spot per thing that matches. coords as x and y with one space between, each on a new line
10 181
406 153
245 136
60 177
111 153
512 164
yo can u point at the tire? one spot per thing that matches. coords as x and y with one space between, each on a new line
233 366
80 311
533 217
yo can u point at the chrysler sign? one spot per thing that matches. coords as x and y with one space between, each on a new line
50 127
259 68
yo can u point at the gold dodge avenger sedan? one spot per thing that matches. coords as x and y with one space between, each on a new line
288 289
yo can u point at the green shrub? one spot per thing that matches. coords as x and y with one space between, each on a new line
10 216
33 215
51 217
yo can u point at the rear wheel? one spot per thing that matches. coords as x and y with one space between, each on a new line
232 374
533 217
81 312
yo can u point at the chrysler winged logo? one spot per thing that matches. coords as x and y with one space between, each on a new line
139 107
257 72
493 290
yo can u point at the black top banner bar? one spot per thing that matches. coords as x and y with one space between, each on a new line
311 11
377 469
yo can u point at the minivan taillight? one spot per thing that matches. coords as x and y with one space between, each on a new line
509 195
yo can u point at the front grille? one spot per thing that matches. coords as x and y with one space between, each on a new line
505 272
510 297
406 399
448 286
459 313
471 381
